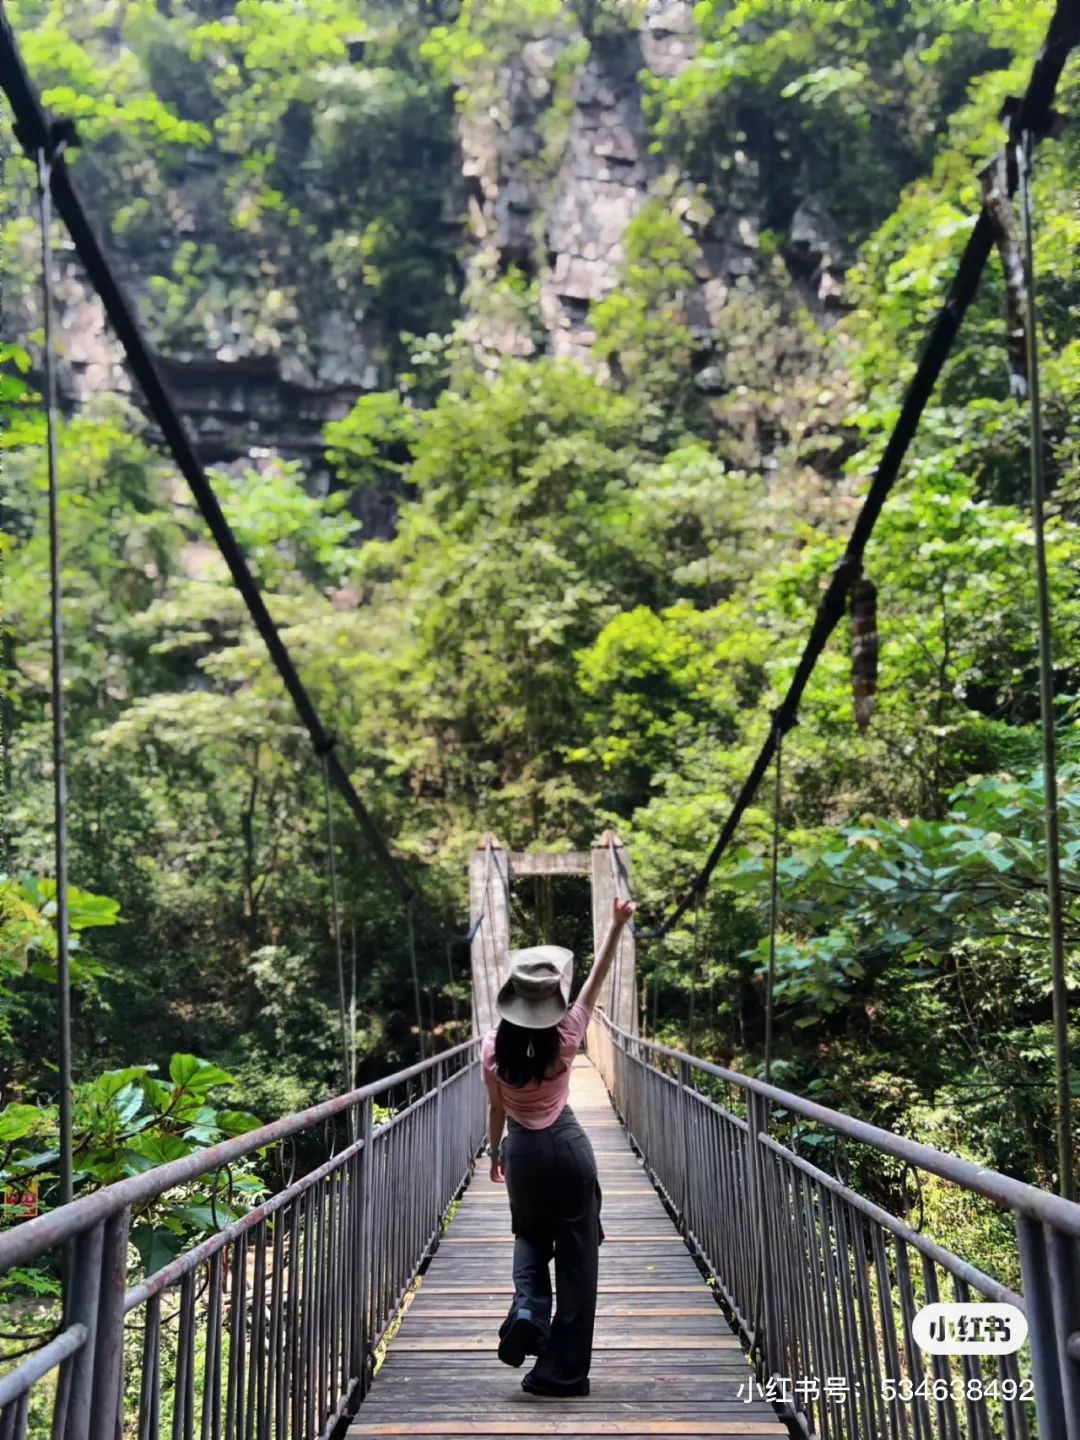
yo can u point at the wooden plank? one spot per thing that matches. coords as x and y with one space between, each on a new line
577 1427
624 1289
622 1314
666 1361
610 1237
560 862
661 1342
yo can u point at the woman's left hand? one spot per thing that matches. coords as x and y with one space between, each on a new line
497 1172
622 910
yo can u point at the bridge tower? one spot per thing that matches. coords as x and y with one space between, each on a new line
492 871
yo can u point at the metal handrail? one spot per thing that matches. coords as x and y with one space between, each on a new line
1041 1205
278 1314
33 1238
822 1283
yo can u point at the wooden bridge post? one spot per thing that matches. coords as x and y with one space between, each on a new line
489 897
611 875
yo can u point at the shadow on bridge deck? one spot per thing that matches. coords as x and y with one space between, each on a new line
665 1361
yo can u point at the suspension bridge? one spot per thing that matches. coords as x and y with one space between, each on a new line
748 1287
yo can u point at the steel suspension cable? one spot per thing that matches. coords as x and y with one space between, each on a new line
46 157
352 1003
451 983
774 898
694 961
1031 114
1024 150
343 1009
409 904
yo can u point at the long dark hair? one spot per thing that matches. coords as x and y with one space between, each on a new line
513 1062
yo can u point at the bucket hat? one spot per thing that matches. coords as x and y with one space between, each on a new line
536 992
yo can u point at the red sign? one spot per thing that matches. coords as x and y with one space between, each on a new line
21 1203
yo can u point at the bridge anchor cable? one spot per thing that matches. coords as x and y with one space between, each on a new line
1067 1185
46 155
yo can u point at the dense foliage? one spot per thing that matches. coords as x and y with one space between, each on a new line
598 579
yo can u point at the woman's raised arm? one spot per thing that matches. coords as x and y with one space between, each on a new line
621 912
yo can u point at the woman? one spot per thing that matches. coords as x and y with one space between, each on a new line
550 1169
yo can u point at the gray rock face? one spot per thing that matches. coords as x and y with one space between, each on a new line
555 163
602 181
560 211
813 243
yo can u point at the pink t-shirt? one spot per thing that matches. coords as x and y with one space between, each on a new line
538 1103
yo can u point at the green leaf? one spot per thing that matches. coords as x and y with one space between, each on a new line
157 1246
18 1121
187 1072
237 1122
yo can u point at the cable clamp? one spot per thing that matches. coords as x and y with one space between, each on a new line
1048 123
324 746
59 135
781 726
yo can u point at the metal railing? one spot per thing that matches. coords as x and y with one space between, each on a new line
266 1329
824 1284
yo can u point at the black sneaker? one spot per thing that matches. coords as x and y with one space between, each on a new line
532 1386
523 1336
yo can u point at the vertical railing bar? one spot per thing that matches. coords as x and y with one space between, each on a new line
322 1252
974 1405
182 1396
920 1412
339 1288
109 1340
1017 1411
274 1355
843 1280
150 1379
800 1248
888 1328
297 1247
780 1238
1063 1264
240 1332
816 1287
71 1421
1038 1304
940 1365
363 1239
309 1378
211 1406
256 1391
872 1378
830 1280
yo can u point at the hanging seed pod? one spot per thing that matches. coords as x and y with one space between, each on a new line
864 649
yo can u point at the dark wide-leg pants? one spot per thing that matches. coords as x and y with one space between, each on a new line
555 1212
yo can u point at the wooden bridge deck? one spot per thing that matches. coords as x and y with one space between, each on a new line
665 1362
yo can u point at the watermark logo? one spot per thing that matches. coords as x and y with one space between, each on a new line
975 1328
